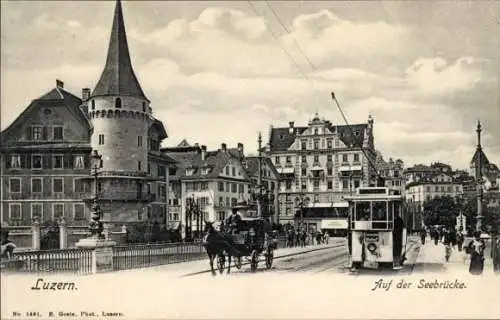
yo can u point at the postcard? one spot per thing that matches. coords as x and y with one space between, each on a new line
250 160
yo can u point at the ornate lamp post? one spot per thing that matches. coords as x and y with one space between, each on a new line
479 181
95 225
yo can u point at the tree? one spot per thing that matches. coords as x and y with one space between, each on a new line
441 211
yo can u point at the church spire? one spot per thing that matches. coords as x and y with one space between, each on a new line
118 77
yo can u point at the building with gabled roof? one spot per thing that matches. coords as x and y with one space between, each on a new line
321 162
46 150
481 168
216 180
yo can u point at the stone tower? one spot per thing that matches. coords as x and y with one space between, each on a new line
121 116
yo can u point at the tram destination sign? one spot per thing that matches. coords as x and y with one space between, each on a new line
372 191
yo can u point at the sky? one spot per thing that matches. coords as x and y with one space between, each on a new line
217 72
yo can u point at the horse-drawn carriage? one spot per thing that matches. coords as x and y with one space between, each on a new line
252 239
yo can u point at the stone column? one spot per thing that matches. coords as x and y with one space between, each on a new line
35 234
63 234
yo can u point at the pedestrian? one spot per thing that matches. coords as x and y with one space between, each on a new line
476 250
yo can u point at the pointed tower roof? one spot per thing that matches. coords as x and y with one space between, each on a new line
118 77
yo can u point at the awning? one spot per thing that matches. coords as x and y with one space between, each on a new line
328 205
286 170
350 168
334 224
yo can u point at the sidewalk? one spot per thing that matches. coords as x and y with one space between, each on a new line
431 258
203 265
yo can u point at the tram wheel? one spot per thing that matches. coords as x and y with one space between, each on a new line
221 262
254 260
269 258
237 263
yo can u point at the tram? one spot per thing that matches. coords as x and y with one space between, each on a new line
377 232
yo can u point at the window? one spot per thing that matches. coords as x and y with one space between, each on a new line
78 162
316 131
57 185
233 171
436 189
356 157
221 186
303 185
316 144
241 188
329 171
139 165
118 103
15 161
15 211
227 171
345 184
428 189
57 210
233 187
288 159
330 184
139 141
144 107
101 139
379 209
58 162
356 183
93 104
304 158
149 168
78 185
79 211
57 133
344 158
36 185
288 185
36 132
329 144
36 210
303 145
316 184
276 160
316 158
37 161
15 185
221 215
204 171
304 172
329 158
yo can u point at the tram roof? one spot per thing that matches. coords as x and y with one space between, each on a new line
374 197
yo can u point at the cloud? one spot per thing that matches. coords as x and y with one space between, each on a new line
435 76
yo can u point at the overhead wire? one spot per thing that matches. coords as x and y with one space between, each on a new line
287 30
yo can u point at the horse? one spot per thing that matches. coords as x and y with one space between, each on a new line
216 244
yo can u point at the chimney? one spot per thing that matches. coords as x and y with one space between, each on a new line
290 128
240 148
85 94
196 145
59 84
203 153
223 146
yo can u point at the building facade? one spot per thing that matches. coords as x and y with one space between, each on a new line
318 165
46 164
392 171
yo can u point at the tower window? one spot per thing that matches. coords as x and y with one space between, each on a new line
118 103
139 166
93 104
139 141
144 107
101 139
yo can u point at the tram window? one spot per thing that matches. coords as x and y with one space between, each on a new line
362 210
397 209
379 211
391 210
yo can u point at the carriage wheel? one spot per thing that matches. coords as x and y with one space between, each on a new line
221 262
237 263
254 261
269 258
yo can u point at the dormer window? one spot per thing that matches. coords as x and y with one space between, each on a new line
15 161
189 171
205 170
118 103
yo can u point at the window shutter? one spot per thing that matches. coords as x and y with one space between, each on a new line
45 133
8 159
47 161
27 158
28 133
67 161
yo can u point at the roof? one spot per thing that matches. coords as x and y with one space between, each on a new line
118 77
480 153
158 124
214 160
281 138
252 166
57 97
